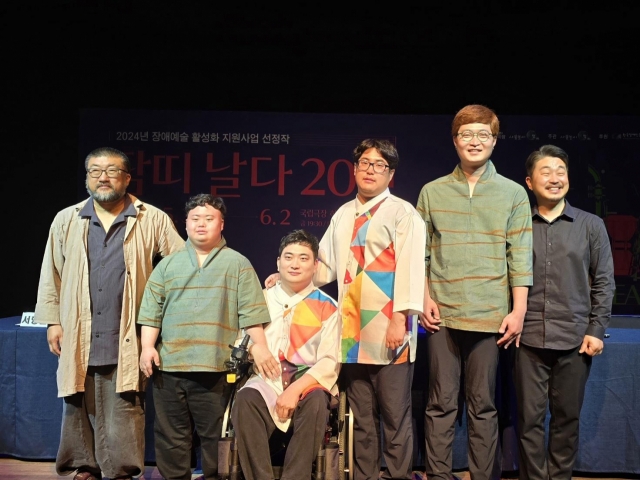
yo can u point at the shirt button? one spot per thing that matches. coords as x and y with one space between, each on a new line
99 313
549 243
548 263
286 306
97 335
99 289
547 302
548 282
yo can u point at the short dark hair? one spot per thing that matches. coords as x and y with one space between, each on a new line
108 152
475 114
203 199
301 237
386 149
545 151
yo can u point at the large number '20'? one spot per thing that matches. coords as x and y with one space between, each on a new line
331 178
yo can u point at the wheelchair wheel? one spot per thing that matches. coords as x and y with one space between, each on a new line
345 438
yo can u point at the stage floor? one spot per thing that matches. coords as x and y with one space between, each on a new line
13 469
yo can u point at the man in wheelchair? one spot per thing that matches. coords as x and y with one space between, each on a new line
304 335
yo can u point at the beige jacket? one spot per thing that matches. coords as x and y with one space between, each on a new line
63 291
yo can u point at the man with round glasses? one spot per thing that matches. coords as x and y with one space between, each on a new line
98 258
479 269
374 248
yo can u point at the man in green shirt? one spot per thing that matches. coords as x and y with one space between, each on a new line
193 307
479 268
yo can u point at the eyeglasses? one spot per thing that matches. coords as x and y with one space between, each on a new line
378 167
112 172
482 135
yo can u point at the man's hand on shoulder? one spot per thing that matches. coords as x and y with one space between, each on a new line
54 338
272 280
592 346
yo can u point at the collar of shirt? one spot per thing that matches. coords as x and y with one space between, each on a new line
288 301
569 212
194 257
129 210
488 173
363 207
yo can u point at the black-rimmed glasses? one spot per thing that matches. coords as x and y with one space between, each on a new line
112 172
378 167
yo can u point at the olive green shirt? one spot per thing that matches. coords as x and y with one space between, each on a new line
200 310
478 247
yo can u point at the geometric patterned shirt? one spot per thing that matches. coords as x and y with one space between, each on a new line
304 334
375 251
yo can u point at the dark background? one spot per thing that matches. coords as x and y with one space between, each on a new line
556 58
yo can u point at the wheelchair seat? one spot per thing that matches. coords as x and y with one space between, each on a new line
332 462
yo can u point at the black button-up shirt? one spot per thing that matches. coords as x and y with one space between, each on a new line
573 284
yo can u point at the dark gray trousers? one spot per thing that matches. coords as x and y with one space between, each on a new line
381 394
450 353
254 426
102 431
559 377
184 401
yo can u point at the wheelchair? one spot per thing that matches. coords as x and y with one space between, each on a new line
333 461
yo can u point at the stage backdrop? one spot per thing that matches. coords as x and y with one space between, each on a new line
282 171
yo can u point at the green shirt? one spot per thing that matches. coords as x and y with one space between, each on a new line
477 247
200 310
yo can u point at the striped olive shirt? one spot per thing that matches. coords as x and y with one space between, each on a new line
478 247
200 310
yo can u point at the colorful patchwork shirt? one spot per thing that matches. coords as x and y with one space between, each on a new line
375 251
304 334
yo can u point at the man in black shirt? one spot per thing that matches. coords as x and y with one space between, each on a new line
568 310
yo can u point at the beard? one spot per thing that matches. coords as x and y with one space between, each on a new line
106 197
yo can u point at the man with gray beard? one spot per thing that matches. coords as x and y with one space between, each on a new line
98 258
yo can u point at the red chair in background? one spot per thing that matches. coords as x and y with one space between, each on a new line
621 229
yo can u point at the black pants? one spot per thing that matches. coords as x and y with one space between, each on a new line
381 394
451 351
182 401
254 426
559 377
